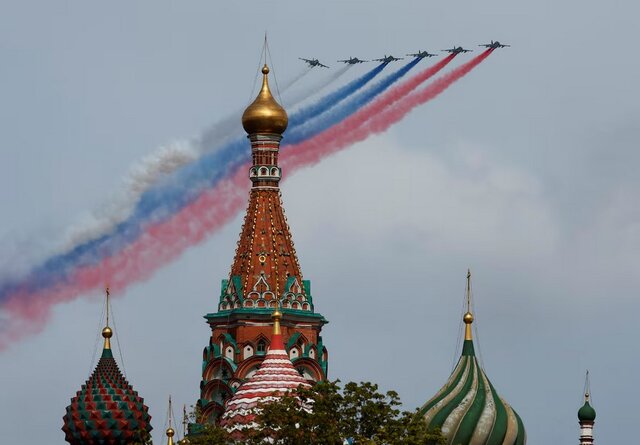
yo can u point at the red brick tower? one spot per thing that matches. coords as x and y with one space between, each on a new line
265 274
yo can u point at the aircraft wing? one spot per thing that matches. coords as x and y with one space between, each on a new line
322 65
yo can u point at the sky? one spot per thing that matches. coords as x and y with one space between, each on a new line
525 171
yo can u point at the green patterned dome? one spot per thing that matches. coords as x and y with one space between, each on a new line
106 410
467 409
586 413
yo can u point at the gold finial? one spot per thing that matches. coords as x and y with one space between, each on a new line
265 115
170 434
277 316
107 333
468 316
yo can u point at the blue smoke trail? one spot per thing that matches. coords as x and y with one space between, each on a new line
157 204
317 123
332 99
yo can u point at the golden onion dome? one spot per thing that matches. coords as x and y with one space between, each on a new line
265 115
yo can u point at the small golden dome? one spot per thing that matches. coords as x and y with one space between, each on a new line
107 332
468 318
265 115
170 432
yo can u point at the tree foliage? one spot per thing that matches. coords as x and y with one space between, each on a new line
327 415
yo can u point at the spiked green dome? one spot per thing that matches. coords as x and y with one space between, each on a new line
106 410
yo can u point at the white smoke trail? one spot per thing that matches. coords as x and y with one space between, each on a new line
295 79
293 100
140 178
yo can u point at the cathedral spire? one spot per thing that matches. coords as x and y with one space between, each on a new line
468 316
265 304
265 265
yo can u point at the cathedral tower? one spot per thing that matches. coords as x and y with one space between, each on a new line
265 275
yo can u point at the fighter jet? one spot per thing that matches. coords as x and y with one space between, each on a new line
457 50
422 54
313 62
494 45
352 60
387 59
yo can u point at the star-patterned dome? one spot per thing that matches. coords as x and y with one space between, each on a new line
106 410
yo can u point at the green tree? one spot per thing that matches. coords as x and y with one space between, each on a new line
326 415
210 435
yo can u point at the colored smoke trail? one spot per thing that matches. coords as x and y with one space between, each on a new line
375 118
157 166
333 99
167 240
294 99
154 205
320 122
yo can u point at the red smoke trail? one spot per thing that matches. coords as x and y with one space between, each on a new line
370 120
166 241
159 245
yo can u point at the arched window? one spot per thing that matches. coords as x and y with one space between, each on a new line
262 347
248 351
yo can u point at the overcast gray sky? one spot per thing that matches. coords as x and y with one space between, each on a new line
525 171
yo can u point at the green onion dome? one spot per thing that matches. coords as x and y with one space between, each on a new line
586 413
106 410
468 409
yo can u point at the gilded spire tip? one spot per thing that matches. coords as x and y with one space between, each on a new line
277 316
468 316
107 333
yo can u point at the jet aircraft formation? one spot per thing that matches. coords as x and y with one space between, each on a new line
313 63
